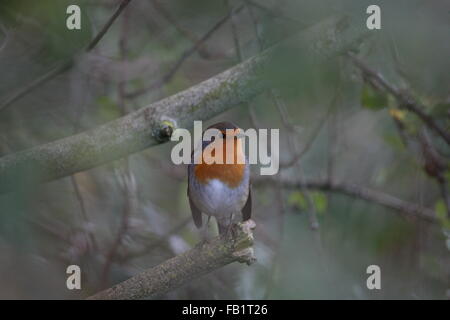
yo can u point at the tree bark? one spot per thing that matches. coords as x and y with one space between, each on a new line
175 272
405 208
154 124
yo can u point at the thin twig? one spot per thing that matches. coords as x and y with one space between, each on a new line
156 244
404 99
6 38
123 226
404 208
237 46
309 142
108 24
435 166
83 209
62 66
183 31
153 124
128 184
202 259
274 14
186 54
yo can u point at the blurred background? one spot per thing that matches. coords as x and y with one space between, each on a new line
336 126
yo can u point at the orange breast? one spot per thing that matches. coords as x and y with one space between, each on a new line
231 174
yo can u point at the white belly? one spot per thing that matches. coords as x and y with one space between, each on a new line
219 200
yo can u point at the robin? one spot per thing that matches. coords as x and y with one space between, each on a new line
222 188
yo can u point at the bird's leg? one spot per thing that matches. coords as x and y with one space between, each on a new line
204 231
230 224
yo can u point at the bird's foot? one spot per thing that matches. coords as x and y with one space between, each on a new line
205 238
230 231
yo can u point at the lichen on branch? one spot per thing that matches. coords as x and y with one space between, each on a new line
204 258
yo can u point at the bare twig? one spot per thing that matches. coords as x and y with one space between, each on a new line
405 208
62 66
435 166
56 70
173 273
281 107
156 244
155 123
309 142
183 31
83 209
108 24
128 181
405 100
6 36
121 232
237 46
186 54
273 13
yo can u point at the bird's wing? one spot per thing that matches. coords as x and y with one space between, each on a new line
247 210
196 213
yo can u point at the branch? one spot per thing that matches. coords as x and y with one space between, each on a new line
404 99
61 67
148 248
108 24
155 123
272 13
353 190
173 273
186 54
185 32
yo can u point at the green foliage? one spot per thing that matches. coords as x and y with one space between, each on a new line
441 214
320 201
447 174
297 199
373 99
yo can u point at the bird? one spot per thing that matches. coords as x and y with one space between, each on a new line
221 190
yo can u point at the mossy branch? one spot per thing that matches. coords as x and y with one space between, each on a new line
173 273
154 124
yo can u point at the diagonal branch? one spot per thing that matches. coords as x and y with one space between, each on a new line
183 31
173 273
186 54
404 99
63 66
108 24
154 124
